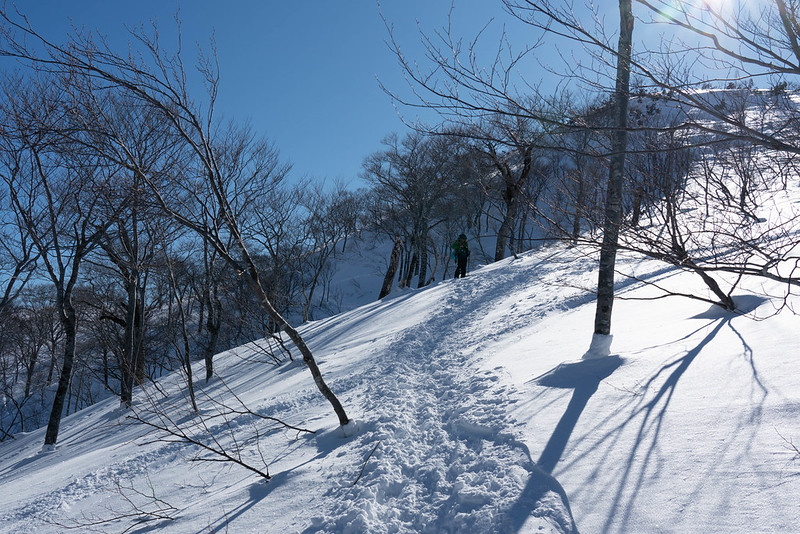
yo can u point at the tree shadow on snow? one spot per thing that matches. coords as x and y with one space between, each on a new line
257 491
327 442
652 415
649 415
583 377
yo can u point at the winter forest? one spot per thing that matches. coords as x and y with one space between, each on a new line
159 267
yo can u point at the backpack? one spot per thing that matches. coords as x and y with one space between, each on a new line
460 247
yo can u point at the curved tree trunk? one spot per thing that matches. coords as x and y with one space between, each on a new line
255 282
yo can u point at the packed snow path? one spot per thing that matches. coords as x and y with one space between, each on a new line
447 457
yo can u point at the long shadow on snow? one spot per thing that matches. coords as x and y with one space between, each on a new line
257 492
327 442
583 377
653 413
339 329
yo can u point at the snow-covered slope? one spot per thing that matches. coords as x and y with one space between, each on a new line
475 412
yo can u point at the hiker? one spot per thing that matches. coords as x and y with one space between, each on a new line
460 254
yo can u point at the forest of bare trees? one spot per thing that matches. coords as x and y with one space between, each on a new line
140 234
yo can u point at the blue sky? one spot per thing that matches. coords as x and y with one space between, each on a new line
304 73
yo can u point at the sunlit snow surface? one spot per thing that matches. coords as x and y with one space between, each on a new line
475 410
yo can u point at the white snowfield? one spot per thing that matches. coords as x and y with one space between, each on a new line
474 411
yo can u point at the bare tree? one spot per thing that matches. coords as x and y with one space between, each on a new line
733 45
613 206
131 243
17 256
508 143
278 231
415 177
737 45
457 85
330 219
227 165
57 195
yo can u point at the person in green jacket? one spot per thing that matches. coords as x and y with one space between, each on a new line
460 254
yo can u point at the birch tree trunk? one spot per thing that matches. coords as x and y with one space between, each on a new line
613 211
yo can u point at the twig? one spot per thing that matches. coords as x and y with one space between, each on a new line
790 444
141 507
365 463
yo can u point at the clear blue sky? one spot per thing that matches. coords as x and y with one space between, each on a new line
303 72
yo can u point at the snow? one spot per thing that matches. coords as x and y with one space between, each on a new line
483 404
475 409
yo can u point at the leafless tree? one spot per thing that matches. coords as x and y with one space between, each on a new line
131 243
737 44
17 255
457 85
508 142
58 195
732 46
330 218
227 164
276 227
415 178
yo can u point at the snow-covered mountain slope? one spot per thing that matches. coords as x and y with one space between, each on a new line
475 412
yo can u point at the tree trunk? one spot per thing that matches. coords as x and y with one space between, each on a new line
29 373
507 226
105 369
255 282
213 325
69 321
613 207
394 260
139 368
637 206
129 346
52 367
423 254
580 198
412 268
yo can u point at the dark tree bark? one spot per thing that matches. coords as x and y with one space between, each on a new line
69 322
423 253
394 261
